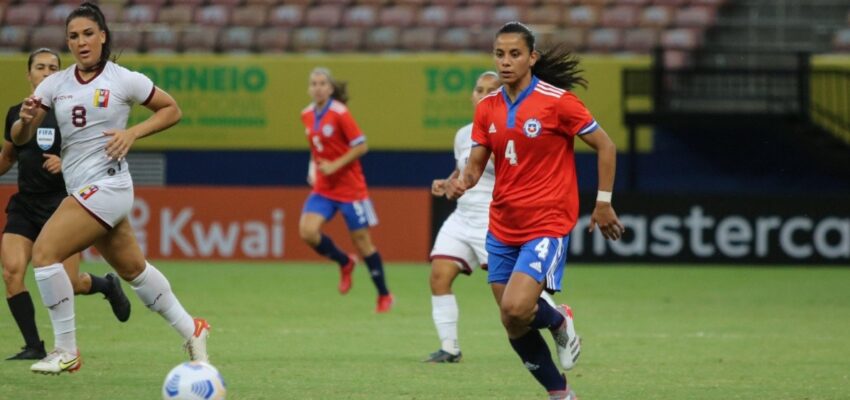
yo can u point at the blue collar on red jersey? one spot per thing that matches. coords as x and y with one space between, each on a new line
512 107
317 115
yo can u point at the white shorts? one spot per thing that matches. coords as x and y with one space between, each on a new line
107 201
462 243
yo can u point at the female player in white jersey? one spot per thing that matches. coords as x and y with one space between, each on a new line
460 246
41 188
92 101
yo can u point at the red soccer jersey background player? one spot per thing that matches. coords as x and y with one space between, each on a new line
331 132
536 193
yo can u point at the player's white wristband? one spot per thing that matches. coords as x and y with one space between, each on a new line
603 196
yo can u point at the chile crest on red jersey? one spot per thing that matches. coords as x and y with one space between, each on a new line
331 132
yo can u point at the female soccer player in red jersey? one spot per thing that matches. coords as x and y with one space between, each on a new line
529 125
336 144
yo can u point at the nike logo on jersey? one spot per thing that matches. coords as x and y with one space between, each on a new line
492 128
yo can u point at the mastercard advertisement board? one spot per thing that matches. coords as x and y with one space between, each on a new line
236 223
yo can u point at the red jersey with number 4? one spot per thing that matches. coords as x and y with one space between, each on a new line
331 132
536 194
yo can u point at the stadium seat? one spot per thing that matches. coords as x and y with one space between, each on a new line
52 37
486 3
267 3
324 16
383 39
640 40
2 11
483 40
453 3
582 16
140 14
841 42
673 3
597 3
215 15
126 40
713 3
195 3
238 39
681 39
621 16
522 3
398 16
574 37
199 39
111 11
273 40
39 2
227 3
361 16
161 40
677 59
287 16
605 40
419 39
345 40
180 14
253 16
562 3
434 16
24 15
157 3
471 16
656 17
379 3
309 39
456 39
694 17
634 2
57 14
13 38
548 14
505 14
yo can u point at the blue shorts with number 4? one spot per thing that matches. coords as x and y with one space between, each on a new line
358 214
542 259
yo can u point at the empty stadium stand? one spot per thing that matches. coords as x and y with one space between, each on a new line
365 25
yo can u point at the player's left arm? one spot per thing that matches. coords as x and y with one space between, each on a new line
7 157
603 213
166 113
328 167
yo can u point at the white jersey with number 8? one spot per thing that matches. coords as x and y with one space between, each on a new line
85 110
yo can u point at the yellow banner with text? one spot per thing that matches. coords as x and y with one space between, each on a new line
411 102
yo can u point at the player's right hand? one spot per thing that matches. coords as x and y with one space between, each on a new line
28 108
438 187
455 188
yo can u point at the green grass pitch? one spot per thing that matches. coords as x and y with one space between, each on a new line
281 331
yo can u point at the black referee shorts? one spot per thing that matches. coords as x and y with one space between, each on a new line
26 214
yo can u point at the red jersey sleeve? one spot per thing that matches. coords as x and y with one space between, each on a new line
350 129
574 117
479 128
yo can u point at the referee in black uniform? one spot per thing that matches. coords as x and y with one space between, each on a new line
40 190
